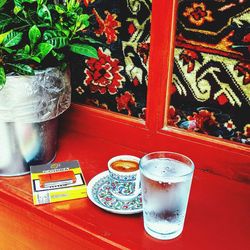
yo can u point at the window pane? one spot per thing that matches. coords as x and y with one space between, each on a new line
117 81
211 79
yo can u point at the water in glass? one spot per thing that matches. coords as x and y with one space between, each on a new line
165 191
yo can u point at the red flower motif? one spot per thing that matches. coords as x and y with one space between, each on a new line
87 2
136 81
108 26
143 50
173 118
202 119
125 101
172 88
246 38
244 69
222 99
131 29
103 74
189 57
197 14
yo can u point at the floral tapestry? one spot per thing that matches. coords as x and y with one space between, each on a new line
211 79
117 80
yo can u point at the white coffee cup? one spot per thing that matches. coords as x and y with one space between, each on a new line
124 176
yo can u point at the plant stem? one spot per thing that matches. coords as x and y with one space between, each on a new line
22 27
24 20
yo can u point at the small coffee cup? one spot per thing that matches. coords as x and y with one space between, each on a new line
124 176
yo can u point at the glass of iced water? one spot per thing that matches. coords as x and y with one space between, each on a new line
166 180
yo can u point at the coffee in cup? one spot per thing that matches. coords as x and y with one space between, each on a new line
125 165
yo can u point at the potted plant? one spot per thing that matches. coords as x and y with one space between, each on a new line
37 38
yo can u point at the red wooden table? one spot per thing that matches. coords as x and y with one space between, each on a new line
217 216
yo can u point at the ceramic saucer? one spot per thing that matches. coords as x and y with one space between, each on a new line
99 193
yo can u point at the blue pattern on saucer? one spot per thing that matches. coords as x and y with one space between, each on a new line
99 193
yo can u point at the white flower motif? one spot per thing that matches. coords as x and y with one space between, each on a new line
229 125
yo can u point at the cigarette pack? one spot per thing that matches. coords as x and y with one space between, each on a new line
55 182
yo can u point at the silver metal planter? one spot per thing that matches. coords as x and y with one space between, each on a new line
25 144
29 110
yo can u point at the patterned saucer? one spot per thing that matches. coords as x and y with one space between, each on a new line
99 193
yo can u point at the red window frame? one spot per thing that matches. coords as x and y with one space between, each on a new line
211 154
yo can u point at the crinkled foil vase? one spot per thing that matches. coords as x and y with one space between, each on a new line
37 98
29 107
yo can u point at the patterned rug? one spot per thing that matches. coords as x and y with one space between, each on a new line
211 80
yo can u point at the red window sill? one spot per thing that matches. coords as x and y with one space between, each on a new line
217 216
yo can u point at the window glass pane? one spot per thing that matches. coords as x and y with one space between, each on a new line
210 93
117 81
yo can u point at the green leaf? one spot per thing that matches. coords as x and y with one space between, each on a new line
8 50
58 42
2 3
22 69
59 27
23 53
12 39
35 59
59 9
84 50
21 56
59 56
44 49
2 77
17 9
34 34
71 18
27 49
48 34
19 3
4 20
40 2
66 32
82 21
72 5
44 13
63 66
90 40
3 36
